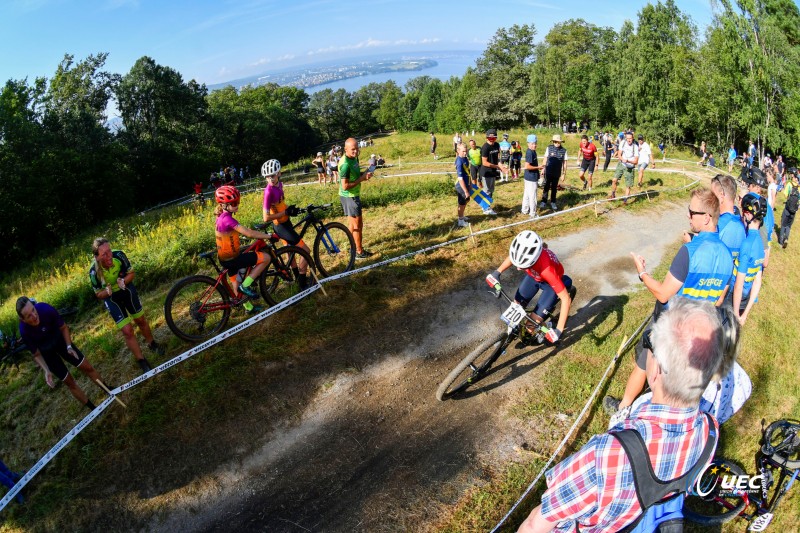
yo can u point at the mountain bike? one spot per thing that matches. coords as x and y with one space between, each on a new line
724 491
519 325
334 247
198 307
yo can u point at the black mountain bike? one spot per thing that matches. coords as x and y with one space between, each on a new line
334 247
724 491
519 325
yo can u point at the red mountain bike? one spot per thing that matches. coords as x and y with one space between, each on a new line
198 307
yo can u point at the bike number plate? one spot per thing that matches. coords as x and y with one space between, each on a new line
761 523
513 315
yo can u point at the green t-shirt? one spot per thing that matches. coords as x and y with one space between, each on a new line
120 267
474 156
348 170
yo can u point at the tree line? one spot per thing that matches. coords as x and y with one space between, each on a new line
62 168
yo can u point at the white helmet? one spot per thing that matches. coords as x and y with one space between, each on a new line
270 168
525 249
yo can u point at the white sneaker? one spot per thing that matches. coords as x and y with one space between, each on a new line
461 223
541 205
489 211
553 206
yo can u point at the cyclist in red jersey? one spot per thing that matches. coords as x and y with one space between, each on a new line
544 272
589 159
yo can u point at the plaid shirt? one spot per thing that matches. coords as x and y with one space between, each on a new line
595 486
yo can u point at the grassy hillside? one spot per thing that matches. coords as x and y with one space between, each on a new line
401 214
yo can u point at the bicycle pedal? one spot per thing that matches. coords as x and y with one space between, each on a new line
761 523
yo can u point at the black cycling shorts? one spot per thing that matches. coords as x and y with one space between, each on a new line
588 164
55 358
124 305
245 260
286 231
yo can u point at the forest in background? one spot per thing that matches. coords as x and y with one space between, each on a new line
63 169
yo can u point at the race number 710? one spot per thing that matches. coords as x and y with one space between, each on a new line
513 315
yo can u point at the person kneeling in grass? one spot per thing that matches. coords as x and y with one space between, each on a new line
49 340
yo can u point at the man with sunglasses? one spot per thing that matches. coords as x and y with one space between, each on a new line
701 270
491 168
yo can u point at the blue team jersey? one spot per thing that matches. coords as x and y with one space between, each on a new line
710 268
731 232
750 261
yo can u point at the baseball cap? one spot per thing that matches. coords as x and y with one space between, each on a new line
531 138
491 132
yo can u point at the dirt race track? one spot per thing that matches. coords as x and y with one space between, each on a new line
374 450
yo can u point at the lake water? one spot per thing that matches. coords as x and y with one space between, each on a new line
449 64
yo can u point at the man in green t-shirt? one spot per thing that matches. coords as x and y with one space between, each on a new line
474 156
350 178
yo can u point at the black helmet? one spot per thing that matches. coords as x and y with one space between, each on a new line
756 177
755 205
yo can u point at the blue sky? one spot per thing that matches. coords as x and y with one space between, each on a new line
217 41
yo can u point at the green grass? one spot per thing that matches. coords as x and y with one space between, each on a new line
401 214
769 355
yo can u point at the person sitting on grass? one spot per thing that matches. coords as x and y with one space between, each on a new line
230 256
48 338
275 211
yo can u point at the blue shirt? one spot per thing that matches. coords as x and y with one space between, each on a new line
462 171
533 159
750 261
709 270
732 232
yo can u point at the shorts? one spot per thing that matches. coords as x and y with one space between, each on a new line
286 231
588 164
474 170
351 205
124 305
621 171
547 301
642 166
320 170
433 149
55 358
463 199
243 260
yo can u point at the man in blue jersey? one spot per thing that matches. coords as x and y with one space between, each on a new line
730 227
757 183
463 188
701 270
749 264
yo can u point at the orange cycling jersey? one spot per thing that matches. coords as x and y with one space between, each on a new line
227 245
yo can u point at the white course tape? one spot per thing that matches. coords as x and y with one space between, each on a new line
269 312
215 340
589 402
144 377
66 439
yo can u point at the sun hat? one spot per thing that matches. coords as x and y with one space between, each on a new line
532 138
557 138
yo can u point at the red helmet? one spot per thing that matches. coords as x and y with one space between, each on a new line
227 195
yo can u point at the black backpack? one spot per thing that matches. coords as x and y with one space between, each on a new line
660 513
793 201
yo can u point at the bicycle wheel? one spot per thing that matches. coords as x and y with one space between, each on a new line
334 249
713 508
781 436
280 280
473 366
197 308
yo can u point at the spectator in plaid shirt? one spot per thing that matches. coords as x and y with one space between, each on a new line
593 490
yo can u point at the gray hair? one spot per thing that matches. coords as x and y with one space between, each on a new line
688 344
